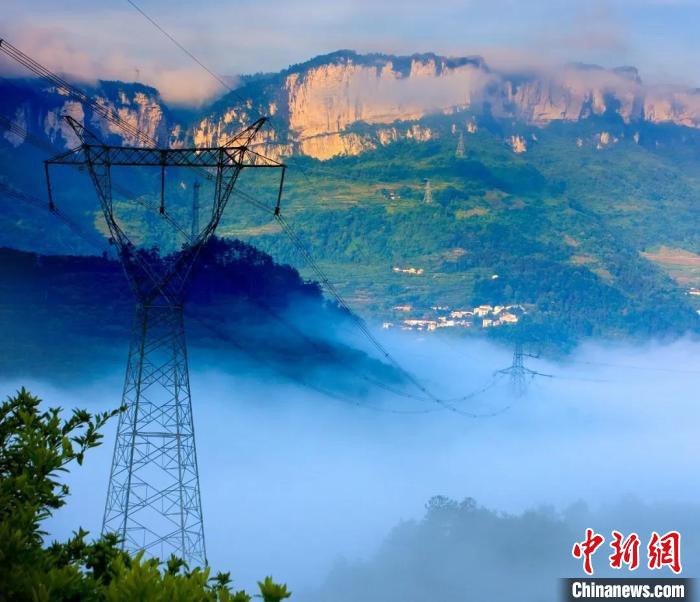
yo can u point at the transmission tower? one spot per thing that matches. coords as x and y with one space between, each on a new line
153 499
428 193
519 375
195 208
459 153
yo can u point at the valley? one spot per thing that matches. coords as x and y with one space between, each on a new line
422 202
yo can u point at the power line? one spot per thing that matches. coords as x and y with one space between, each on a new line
39 204
216 330
38 69
153 499
19 131
180 46
359 322
36 202
77 230
286 373
140 136
643 368
221 81
42 71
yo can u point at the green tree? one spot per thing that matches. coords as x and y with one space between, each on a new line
36 447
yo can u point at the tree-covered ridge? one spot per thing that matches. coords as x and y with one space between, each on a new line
461 550
563 225
240 304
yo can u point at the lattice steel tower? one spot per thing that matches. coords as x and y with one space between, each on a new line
519 374
459 151
195 208
428 193
153 499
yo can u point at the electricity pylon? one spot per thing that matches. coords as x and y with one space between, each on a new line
428 193
519 375
195 208
459 152
153 499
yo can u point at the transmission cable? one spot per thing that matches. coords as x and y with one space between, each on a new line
19 131
42 71
220 80
216 330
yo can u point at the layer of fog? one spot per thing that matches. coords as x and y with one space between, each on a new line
292 480
184 84
73 37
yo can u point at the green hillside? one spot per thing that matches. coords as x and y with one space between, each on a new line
589 232
563 225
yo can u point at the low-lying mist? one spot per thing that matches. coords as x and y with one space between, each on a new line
294 482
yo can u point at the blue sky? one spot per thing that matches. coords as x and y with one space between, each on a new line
110 39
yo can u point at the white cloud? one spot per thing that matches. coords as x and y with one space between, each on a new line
113 40
57 49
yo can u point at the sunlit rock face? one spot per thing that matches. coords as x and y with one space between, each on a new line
681 107
518 144
572 93
140 109
330 98
41 110
319 103
345 104
57 128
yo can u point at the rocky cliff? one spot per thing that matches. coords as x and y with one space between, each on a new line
316 107
316 104
40 110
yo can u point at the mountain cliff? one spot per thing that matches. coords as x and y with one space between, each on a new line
39 110
317 106
243 307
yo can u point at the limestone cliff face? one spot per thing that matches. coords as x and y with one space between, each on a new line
673 106
41 110
57 128
318 105
330 98
138 108
571 94
345 104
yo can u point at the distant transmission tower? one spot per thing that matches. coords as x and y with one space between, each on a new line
195 208
153 500
459 153
428 193
519 375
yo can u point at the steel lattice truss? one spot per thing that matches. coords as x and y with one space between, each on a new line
163 277
520 376
153 499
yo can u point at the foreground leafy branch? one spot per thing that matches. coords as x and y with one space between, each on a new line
36 446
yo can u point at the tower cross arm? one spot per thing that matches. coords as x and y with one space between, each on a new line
249 158
74 156
127 156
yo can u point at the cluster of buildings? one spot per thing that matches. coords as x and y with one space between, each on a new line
408 270
441 316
